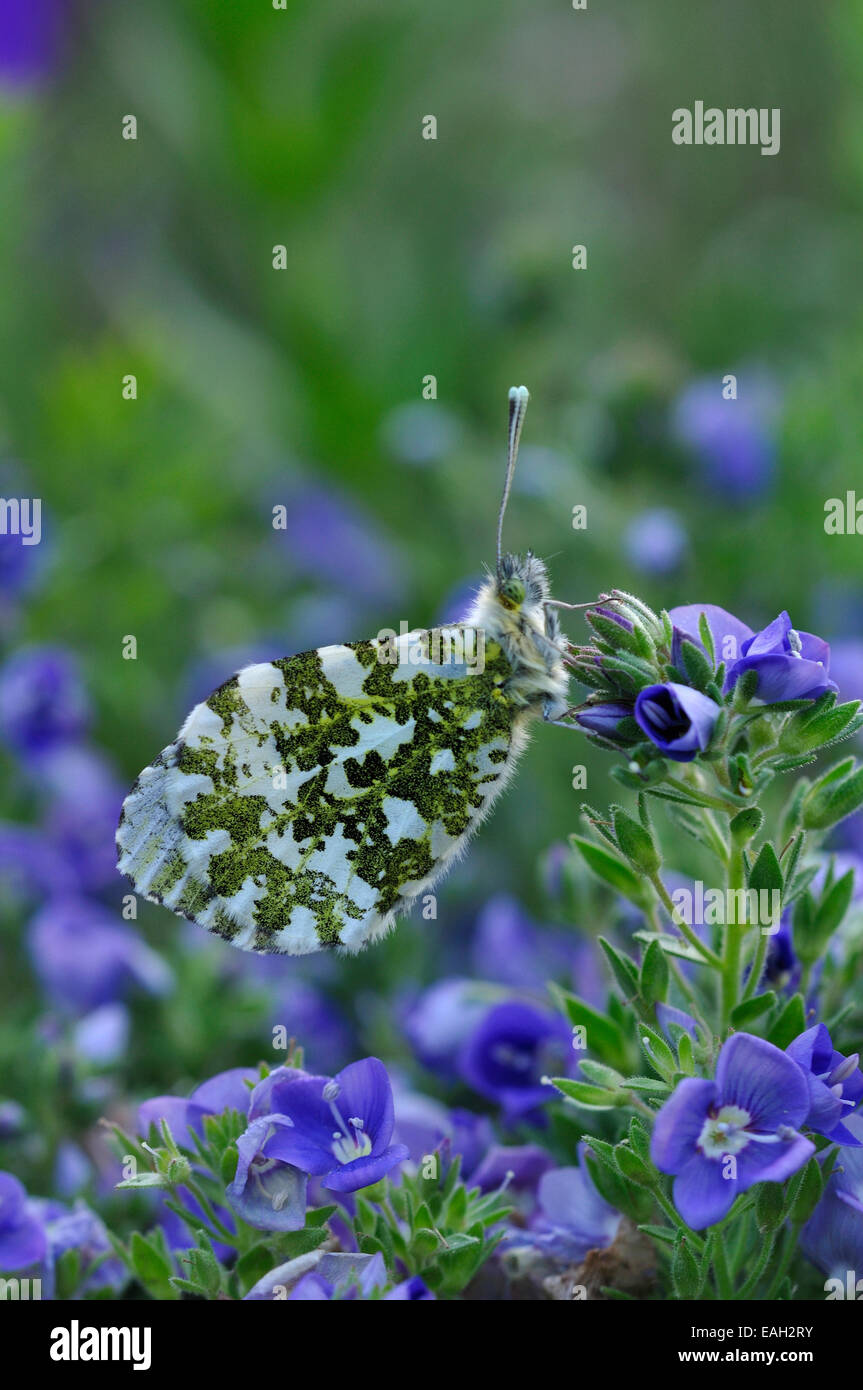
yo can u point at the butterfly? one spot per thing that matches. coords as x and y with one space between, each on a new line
309 801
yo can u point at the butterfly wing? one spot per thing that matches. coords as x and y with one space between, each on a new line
309 801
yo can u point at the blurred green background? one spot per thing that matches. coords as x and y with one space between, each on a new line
407 257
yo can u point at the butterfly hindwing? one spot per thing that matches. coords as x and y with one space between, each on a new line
309 800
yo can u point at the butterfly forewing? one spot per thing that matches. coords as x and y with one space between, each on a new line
308 801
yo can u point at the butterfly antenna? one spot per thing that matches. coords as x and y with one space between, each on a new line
518 399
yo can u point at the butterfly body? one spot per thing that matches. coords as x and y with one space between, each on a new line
310 801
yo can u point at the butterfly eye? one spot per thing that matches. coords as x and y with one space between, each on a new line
512 592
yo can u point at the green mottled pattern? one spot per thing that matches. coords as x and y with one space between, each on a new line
387 768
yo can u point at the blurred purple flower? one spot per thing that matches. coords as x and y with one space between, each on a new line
420 432
330 540
31 36
732 440
833 1236
86 956
782 969
512 1049
43 702
519 1166
572 1218
72 1169
33 864
12 1119
81 1229
102 1037
456 604
22 1234
83 813
846 668
655 542
309 1017
441 1020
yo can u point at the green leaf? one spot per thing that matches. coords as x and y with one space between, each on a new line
654 977
671 945
591 1097
624 970
698 668
685 1271
150 1266
751 1009
602 1035
253 1265
637 843
659 1053
790 1023
766 875
610 868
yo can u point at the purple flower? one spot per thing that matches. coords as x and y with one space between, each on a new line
510 1052
227 1090
719 1137
678 719
43 703
82 1230
833 1236
339 1129
412 1290
345 1274
791 665
265 1192
732 439
782 969
22 1234
441 1020
572 1218
85 956
519 1166
655 542
510 948
180 1234
835 1083
666 1014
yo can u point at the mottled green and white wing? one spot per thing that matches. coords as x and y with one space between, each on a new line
309 801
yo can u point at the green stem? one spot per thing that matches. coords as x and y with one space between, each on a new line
682 927
724 1287
789 1246
734 933
759 1268
757 965
677 1220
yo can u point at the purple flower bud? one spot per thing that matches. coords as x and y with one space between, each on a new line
604 718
